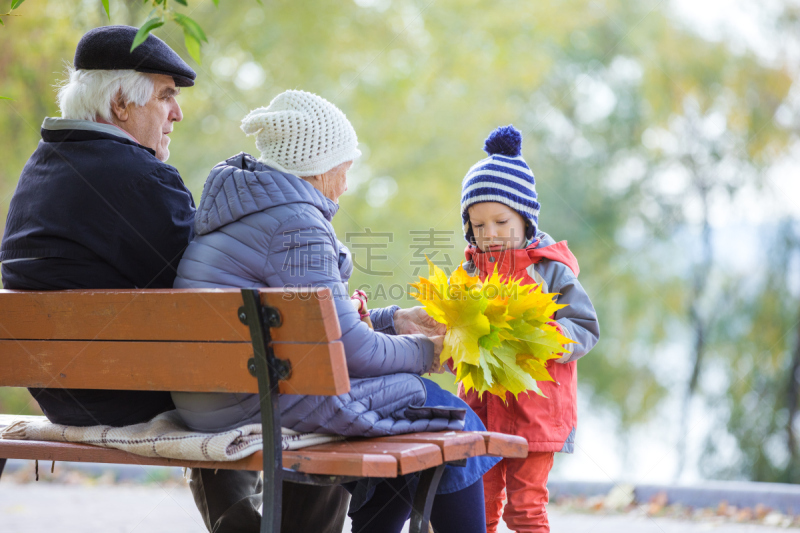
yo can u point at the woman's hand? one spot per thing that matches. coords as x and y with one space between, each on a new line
438 346
416 320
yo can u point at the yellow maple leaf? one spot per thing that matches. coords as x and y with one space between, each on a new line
497 298
534 367
460 277
437 276
498 334
466 324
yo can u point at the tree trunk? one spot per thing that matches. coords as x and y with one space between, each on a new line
793 393
700 324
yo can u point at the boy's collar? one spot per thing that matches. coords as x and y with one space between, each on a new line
509 262
506 261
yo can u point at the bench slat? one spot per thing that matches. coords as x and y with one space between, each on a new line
85 453
310 461
380 457
162 315
318 369
503 445
305 460
411 457
454 445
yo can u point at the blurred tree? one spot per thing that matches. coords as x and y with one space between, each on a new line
758 338
716 137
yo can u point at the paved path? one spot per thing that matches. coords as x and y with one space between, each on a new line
47 507
578 523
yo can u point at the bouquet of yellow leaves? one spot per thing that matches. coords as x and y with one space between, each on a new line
497 330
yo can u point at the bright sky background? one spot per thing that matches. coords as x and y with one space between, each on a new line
745 25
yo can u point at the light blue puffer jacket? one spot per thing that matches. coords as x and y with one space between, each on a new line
257 227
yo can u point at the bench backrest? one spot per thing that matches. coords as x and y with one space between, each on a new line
171 339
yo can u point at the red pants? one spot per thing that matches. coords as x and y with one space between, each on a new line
525 483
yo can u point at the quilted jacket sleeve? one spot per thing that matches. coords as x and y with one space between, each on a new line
303 253
383 319
579 318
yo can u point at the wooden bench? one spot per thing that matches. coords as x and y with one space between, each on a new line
261 341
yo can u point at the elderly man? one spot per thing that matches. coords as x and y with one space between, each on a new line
97 207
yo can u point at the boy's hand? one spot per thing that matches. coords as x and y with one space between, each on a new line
557 326
416 320
564 356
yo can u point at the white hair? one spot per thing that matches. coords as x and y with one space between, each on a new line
88 94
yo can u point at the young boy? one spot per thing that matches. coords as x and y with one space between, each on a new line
499 209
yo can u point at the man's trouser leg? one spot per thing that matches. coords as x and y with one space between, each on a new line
229 501
313 508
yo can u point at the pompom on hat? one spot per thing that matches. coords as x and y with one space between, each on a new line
302 134
503 177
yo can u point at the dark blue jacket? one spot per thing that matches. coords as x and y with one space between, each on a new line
95 209
101 199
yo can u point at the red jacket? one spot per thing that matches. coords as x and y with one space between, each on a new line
547 423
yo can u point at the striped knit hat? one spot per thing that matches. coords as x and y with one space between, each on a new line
503 177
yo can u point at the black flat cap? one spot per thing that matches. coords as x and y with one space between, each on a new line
109 48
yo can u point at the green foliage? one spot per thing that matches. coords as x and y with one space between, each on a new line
145 30
193 34
14 5
191 27
17 401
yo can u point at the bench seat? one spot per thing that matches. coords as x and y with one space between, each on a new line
264 341
378 457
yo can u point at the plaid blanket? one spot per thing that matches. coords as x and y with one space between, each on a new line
163 436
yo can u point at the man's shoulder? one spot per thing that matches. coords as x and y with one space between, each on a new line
76 174
133 161
133 169
97 155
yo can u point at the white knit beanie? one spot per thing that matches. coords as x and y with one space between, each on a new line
302 134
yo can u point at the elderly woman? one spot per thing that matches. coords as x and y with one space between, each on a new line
267 222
